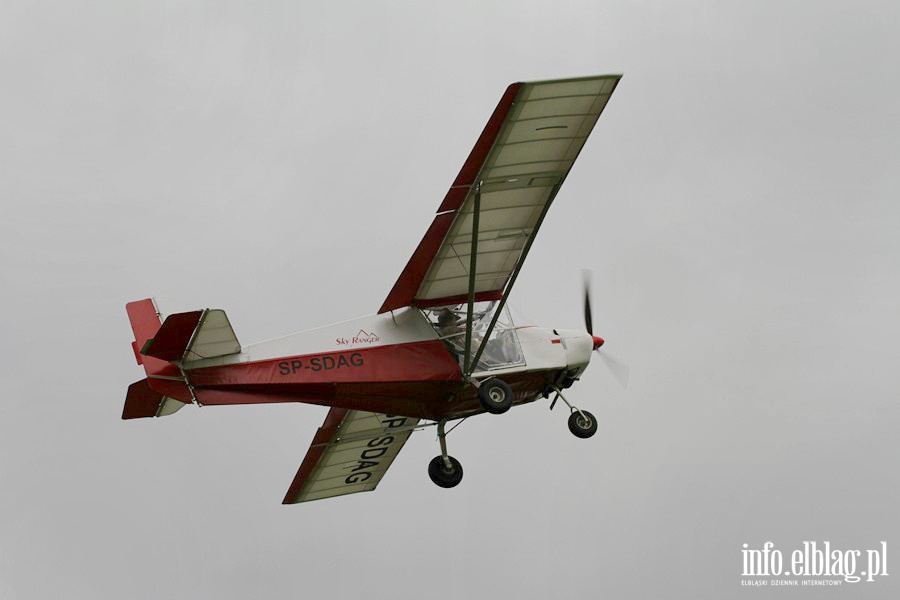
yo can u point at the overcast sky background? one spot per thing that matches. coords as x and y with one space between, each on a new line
737 202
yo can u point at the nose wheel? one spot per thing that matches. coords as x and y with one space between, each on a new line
582 424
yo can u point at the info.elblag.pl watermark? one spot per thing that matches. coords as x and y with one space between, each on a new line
813 564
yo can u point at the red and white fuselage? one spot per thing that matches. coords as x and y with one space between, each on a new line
394 363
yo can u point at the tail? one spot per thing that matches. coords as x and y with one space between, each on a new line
164 348
153 396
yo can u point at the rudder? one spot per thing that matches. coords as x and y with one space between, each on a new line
145 323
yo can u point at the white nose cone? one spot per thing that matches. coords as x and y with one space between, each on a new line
579 345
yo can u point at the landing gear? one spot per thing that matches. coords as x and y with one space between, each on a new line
441 475
444 470
582 424
495 395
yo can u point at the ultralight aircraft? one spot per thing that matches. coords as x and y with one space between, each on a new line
441 348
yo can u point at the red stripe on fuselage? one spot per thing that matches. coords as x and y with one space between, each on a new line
418 361
415 397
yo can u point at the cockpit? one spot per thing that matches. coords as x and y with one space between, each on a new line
502 348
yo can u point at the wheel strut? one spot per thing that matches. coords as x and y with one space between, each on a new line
559 395
442 438
582 424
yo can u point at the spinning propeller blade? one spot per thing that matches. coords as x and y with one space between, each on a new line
619 370
588 321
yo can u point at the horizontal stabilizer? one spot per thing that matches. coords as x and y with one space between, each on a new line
173 336
143 401
193 336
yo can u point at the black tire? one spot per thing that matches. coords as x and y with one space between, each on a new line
582 426
495 395
439 474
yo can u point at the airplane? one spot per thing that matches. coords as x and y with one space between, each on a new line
442 347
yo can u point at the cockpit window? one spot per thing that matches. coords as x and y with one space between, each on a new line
502 348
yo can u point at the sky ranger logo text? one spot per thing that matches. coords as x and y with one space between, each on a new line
362 337
813 560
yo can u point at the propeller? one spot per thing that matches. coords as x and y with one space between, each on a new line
619 370
588 320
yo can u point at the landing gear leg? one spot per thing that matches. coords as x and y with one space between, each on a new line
582 424
444 470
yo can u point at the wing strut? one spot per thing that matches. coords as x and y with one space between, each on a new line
473 263
470 367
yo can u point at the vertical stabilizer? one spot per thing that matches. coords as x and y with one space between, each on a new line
164 391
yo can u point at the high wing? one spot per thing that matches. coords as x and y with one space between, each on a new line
500 197
350 453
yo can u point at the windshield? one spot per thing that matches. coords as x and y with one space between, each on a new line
502 348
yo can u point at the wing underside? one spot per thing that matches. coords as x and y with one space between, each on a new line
515 170
350 453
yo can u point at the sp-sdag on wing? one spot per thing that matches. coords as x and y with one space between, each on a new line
442 347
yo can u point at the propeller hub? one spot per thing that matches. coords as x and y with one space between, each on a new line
598 341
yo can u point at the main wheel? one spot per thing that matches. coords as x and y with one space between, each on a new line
495 396
443 477
582 424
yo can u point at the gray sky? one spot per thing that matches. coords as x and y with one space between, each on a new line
737 203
